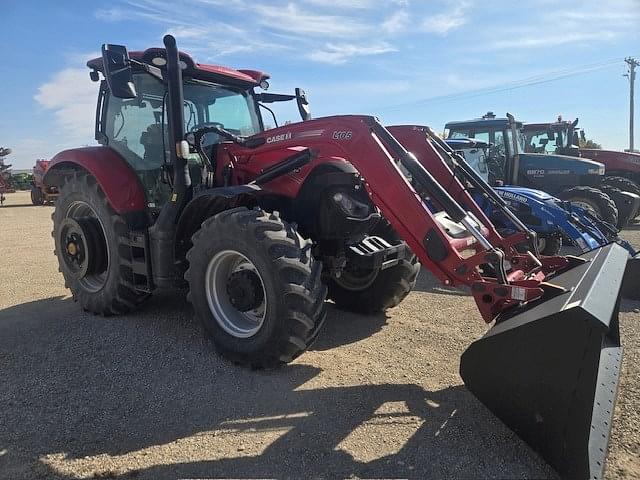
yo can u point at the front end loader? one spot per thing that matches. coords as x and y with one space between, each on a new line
263 224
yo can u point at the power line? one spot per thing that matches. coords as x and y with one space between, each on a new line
516 84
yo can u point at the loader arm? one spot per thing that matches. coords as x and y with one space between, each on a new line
499 278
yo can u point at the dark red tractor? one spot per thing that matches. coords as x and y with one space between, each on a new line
42 194
187 187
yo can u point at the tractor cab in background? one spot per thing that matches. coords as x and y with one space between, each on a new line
570 178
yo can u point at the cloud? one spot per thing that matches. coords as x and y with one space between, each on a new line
443 23
71 96
396 22
294 20
550 40
338 54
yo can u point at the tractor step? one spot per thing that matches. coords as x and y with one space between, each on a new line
141 278
375 252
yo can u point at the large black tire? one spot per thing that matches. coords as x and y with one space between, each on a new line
108 291
624 204
293 292
37 198
372 291
623 183
596 200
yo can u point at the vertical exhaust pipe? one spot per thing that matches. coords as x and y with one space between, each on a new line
162 234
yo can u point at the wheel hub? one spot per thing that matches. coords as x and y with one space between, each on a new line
82 246
245 290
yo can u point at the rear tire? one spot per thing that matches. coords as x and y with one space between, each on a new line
375 291
37 198
623 183
595 200
106 287
248 249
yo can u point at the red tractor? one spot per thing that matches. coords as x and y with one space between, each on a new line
264 225
40 193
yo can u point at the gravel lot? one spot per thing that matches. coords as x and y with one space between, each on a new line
145 396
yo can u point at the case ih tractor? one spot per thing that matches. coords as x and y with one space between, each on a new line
264 224
41 193
574 179
563 137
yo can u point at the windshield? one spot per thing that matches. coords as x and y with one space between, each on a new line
233 110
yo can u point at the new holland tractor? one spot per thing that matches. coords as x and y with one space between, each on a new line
556 222
570 178
186 186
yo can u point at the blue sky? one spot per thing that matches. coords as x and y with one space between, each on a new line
406 61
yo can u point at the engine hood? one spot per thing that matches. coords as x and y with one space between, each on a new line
576 165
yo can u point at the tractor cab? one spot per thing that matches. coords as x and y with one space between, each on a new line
134 123
561 137
511 163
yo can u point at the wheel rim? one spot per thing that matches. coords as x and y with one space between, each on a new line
236 294
356 280
586 206
90 281
542 244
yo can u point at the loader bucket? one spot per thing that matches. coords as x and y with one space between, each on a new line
550 372
631 281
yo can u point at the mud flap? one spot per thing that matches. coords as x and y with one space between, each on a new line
550 372
631 281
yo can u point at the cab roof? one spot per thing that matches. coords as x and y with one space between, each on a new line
480 123
211 73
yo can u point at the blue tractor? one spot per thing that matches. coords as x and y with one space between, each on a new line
569 178
554 220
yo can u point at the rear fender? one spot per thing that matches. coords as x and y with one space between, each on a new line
116 178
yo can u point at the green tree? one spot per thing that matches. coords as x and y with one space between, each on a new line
587 143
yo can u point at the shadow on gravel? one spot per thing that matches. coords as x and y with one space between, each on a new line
428 283
75 385
343 328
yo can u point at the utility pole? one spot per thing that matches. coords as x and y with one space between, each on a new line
633 63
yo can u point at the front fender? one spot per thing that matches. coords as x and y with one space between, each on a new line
116 178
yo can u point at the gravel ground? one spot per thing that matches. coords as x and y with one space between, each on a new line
145 396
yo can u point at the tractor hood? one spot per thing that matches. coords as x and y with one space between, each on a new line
515 192
613 160
558 165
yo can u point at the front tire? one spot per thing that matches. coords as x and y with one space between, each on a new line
598 202
373 291
90 243
256 287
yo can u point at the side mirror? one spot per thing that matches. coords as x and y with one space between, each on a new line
303 105
117 71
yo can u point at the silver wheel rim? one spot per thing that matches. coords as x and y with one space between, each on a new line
93 282
586 206
542 243
233 321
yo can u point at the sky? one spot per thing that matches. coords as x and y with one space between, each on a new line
405 61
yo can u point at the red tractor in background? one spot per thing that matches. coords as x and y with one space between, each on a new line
40 193
263 225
